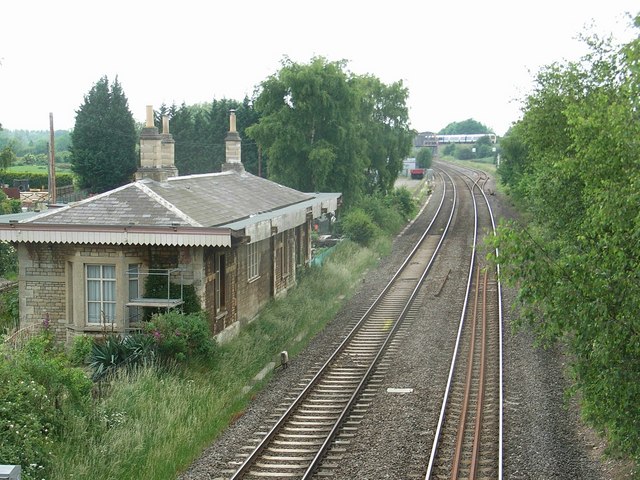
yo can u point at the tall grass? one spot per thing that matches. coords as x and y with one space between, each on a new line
154 422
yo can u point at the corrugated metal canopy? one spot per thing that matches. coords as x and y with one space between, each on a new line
116 235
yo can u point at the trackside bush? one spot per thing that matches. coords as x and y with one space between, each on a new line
382 213
358 226
403 202
181 336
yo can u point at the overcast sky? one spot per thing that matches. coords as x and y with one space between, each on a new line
459 59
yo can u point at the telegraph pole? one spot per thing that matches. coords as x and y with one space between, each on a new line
52 163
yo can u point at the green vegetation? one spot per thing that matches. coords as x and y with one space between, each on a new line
573 164
39 394
37 169
152 418
26 143
9 312
424 158
376 216
324 129
104 139
469 126
7 205
199 132
36 179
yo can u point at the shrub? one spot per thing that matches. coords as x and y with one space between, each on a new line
449 150
8 260
36 180
39 393
115 351
180 336
464 153
46 363
382 212
9 316
156 287
358 226
26 422
80 351
403 202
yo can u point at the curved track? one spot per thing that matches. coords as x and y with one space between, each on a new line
468 439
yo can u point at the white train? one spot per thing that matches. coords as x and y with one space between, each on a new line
465 138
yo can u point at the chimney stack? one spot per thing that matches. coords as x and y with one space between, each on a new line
157 152
233 151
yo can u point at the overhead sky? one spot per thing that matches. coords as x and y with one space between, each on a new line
459 59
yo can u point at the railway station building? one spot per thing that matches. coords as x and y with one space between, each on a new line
231 239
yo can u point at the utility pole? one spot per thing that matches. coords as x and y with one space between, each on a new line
52 163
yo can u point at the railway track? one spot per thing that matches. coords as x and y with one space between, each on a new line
468 439
324 423
297 445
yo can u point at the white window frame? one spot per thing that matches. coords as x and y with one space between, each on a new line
106 298
253 261
135 291
286 255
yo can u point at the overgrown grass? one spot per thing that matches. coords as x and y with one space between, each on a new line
154 422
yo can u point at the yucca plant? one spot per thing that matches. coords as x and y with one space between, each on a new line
116 351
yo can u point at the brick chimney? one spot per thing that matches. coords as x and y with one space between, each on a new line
233 148
156 151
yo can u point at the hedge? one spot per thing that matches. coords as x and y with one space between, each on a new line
36 180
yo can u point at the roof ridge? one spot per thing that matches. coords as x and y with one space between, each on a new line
180 178
168 205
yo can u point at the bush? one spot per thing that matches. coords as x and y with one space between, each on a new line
9 313
156 287
464 153
26 422
80 351
39 393
382 213
449 150
8 260
358 226
181 336
403 202
36 180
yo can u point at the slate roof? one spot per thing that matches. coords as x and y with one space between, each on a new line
207 200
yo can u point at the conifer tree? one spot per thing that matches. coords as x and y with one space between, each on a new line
103 150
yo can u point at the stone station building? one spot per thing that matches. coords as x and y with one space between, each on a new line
235 239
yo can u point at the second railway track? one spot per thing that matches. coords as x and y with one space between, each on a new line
296 445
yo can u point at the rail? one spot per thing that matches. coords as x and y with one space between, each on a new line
327 439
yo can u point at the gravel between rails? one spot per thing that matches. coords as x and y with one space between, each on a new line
543 436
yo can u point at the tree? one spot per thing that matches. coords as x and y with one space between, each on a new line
200 130
308 121
324 129
385 126
513 159
7 157
424 158
577 260
104 139
469 126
